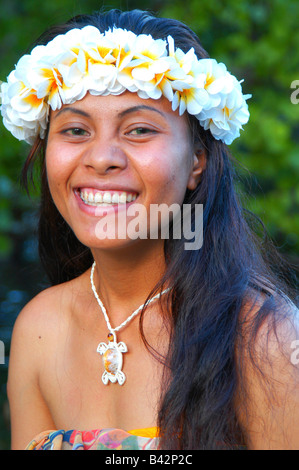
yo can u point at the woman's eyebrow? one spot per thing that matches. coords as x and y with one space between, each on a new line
140 108
133 109
73 110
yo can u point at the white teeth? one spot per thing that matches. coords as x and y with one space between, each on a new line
107 198
98 198
123 198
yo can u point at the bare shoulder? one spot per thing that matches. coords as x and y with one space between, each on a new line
43 320
36 320
270 372
271 323
48 310
37 331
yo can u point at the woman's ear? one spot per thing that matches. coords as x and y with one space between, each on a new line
199 164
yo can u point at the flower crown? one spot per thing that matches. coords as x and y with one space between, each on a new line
86 60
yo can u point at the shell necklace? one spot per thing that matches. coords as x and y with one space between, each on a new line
112 351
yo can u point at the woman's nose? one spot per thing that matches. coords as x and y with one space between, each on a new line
105 156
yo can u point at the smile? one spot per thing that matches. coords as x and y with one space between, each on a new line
106 198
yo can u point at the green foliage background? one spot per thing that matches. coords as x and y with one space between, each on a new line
257 40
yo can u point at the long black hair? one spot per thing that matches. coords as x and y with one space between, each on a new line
211 285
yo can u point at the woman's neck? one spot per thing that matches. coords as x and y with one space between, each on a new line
124 278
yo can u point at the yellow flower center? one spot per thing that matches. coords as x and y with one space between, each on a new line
227 111
209 80
33 100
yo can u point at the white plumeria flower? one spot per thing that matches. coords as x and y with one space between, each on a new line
226 120
189 93
66 71
184 61
21 108
218 80
48 82
97 61
122 53
123 45
153 72
148 62
159 84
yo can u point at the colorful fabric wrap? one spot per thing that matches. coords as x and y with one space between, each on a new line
100 439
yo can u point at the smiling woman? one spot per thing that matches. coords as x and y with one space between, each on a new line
141 343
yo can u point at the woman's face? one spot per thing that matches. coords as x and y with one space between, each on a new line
106 154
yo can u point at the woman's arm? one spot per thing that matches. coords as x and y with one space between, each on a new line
29 412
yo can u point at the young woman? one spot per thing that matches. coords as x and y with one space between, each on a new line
125 112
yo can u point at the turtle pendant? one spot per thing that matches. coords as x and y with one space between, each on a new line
112 360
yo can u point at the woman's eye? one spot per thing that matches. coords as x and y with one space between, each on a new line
140 131
76 131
